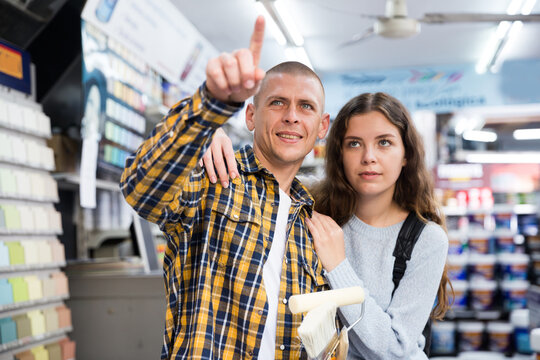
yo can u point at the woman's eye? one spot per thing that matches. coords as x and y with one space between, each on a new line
385 142
354 144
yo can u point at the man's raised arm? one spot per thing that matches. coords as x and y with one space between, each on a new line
153 176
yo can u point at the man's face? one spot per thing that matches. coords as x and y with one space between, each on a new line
287 119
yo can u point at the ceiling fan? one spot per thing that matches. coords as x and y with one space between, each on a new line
396 23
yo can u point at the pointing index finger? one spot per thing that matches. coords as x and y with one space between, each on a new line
256 42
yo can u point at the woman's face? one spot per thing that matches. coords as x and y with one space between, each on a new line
373 155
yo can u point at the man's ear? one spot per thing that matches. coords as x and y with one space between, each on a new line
250 120
323 127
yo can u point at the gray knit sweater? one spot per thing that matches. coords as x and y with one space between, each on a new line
392 327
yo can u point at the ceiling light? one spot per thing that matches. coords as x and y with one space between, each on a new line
480 135
490 58
272 26
298 53
278 11
527 134
504 158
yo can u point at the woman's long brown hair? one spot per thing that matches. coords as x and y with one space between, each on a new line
414 191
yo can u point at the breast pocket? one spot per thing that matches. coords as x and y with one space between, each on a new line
235 228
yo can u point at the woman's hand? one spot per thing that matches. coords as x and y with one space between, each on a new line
327 239
218 158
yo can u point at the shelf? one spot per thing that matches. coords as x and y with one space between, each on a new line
28 166
34 200
13 274
26 132
30 267
72 182
519 209
19 237
29 342
96 237
26 306
4 232
474 314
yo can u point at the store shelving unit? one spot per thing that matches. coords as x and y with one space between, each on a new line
500 226
32 255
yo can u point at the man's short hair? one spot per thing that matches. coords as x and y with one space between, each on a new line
291 68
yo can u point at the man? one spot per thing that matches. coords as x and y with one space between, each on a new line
236 252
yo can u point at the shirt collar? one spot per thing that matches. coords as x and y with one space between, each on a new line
250 164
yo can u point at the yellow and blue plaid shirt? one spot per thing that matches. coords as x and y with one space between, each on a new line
219 239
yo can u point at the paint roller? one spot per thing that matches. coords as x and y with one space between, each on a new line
318 329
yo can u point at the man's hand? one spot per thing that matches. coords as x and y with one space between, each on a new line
235 77
327 239
218 158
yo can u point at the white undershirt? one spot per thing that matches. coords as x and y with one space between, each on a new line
272 277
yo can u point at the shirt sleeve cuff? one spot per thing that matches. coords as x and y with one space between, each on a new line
217 107
343 276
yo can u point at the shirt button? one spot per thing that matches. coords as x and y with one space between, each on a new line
260 312
282 347
286 261
284 301
250 352
235 216
171 133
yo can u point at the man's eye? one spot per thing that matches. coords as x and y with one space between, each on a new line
307 106
276 102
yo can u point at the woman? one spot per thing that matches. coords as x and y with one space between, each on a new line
375 176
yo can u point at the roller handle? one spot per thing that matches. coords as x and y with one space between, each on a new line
341 297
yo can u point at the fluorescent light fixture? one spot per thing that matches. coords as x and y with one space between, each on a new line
288 22
480 135
277 9
527 7
271 24
298 54
490 58
504 158
527 134
468 123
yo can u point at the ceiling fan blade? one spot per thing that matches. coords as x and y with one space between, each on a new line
439 18
358 37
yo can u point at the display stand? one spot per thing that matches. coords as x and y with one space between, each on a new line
32 285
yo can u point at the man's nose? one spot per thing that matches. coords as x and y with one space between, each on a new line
291 116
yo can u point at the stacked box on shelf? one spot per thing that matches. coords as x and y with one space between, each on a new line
488 264
32 315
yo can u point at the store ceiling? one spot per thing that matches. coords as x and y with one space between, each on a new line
325 24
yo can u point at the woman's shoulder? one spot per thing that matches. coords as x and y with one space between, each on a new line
434 235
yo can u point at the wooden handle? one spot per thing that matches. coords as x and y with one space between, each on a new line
346 296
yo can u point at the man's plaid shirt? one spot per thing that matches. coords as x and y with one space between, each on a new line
219 239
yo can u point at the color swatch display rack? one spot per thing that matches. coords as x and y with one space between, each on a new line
34 320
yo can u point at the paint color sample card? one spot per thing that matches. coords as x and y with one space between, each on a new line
8 183
4 255
37 321
16 253
8 330
6 292
11 214
20 289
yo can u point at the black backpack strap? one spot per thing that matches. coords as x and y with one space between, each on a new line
407 238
